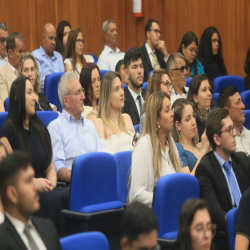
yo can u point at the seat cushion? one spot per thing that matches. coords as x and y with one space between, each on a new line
101 207
170 235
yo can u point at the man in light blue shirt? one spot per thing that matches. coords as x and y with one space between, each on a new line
49 61
3 40
71 134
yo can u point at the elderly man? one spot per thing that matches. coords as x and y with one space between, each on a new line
71 134
49 61
3 41
15 48
111 54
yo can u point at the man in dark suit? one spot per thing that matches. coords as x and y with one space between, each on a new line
154 52
134 94
18 190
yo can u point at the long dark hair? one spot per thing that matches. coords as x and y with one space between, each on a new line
59 32
187 39
85 80
247 63
205 54
17 116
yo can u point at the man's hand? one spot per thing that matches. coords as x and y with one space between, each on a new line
162 47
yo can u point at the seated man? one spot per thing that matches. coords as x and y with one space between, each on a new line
71 134
3 41
134 94
111 54
119 68
230 99
139 228
15 48
49 61
20 199
223 174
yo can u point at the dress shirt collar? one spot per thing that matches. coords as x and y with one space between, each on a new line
108 50
134 95
185 89
14 70
243 129
221 160
6 58
42 52
149 50
71 118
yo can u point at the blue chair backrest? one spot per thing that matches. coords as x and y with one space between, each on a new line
3 118
47 116
215 98
103 72
245 97
93 180
231 219
171 192
51 87
223 81
150 72
123 163
7 104
125 85
247 121
94 56
188 82
136 127
86 241
145 85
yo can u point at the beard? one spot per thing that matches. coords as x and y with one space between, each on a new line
135 84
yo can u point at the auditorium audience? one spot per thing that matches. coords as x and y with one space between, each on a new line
139 228
210 53
230 99
223 174
15 48
247 71
114 129
158 81
19 192
71 134
177 70
195 227
200 97
120 68
110 54
73 56
155 154
3 41
186 136
49 61
189 48
90 81
134 94
62 33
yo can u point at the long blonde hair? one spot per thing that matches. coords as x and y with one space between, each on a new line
105 102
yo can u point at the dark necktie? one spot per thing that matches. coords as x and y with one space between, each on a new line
140 104
31 241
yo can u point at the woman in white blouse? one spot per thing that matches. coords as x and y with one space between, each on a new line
73 55
155 154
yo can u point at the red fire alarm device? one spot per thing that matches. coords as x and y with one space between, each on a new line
138 8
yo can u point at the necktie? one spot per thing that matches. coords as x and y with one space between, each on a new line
154 59
31 241
232 182
140 104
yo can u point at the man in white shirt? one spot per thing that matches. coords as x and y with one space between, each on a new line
111 54
230 99
3 38
20 199
177 71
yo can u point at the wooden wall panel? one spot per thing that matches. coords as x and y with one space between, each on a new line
231 18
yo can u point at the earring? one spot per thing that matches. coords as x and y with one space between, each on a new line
158 127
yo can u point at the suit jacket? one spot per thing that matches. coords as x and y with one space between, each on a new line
6 79
10 239
130 106
147 63
213 184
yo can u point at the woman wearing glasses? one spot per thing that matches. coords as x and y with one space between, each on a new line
189 48
196 230
158 81
73 56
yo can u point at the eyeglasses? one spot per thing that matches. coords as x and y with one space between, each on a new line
3 40
78 92
196 51
167 84
201 231
156 31
157 247
182 69
80 40
230 130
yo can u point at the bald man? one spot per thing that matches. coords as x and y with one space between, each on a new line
49 61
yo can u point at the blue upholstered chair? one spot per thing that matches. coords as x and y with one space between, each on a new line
7 104
145 85
3 118
188 82
231 219
150 72
125 85
247 121
215 98
136 127
245 96
103 72
223 81
95 58
47 116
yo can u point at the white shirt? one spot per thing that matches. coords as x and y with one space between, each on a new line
175 96
243 141
1 218
3 61
142 183
19 226
134 95
149 50
14 70
109 58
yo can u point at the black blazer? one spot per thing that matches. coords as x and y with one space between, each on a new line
213 184
130 106
10 239
147 63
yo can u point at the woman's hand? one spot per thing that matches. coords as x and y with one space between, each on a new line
204 142
43 185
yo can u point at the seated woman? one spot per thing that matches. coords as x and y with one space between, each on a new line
200 97
189 48
185 135
158 81
247 71
90 81
196 230
155 154
24 130
28 67
210 53
115 130
73 56
62 33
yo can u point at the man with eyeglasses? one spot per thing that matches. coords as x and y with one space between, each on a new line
3 38
49 61
154 51
71 134
223 174
177 71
